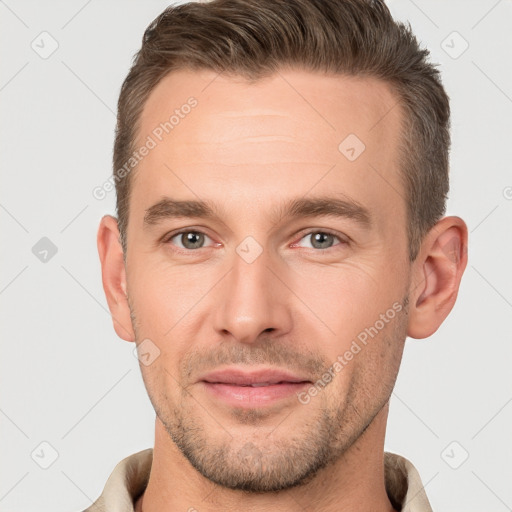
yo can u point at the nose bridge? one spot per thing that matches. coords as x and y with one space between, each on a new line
251 300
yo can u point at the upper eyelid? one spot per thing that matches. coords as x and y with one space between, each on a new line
341 237
167 238
173 233
309 231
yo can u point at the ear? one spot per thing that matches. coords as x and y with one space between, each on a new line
436 276
113 274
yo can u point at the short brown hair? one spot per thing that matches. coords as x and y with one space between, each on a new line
255 38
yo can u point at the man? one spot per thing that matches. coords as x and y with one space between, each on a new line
281 170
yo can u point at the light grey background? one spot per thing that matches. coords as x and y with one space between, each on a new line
68 381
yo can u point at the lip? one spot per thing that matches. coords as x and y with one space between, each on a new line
250 397
234 386
240 377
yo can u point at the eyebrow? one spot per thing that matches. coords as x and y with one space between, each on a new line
168 208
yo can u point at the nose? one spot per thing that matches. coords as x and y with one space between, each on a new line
253 301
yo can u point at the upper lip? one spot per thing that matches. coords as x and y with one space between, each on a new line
246 378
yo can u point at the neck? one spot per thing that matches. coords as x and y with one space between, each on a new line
354 482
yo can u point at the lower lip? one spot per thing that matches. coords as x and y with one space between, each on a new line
248 396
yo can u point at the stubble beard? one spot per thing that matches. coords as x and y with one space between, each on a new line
290 455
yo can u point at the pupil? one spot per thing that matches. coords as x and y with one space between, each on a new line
192 240
322 240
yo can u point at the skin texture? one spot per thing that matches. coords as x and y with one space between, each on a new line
248 149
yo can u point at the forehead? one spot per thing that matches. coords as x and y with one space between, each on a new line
330 105
289 132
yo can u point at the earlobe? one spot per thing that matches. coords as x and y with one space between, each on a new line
436 276
113 273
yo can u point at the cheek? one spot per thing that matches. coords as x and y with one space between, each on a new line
369 366
346 298
164 311
355 317
160 381
164 296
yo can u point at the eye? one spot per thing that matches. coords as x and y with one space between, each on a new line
320 239
188 239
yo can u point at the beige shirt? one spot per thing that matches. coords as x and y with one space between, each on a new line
130 477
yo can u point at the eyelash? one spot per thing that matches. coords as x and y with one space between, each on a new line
342 239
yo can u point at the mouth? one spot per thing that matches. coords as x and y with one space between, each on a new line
258 384
252 389
258 377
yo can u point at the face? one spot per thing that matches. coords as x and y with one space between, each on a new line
267 232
